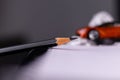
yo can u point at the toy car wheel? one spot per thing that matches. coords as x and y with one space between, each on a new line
93 35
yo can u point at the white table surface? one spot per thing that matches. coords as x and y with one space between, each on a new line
75 63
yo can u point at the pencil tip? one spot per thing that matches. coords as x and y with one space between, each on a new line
62 40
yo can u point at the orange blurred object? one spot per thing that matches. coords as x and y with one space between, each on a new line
100 32
62 40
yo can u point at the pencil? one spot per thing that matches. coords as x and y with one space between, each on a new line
54 42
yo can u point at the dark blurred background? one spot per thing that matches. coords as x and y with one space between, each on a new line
36 20
25 21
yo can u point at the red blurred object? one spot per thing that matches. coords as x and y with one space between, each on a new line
104 31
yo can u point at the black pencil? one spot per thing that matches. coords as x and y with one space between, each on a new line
56 41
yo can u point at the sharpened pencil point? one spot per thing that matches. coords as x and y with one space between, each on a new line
62 40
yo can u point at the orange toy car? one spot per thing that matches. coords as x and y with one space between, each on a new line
105 33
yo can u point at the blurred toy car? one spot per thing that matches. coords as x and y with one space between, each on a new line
106 33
